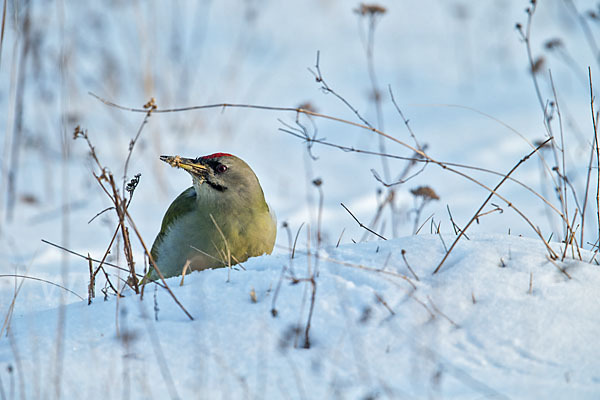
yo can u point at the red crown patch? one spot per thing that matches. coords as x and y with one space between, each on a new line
217 155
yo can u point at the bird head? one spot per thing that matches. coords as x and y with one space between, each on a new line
220 172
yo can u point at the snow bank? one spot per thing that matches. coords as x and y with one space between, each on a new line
474 330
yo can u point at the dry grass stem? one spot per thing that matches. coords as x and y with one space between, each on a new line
84 257
296 240
593 150
454 225
403 252
384 303
340 238
361 224
274 311
226 253
33 278
92 284
150 106
494 191
439 312
562 270
371 269
596 145
121 206
153 263
423 224
530 283
2 28
420 153
184 272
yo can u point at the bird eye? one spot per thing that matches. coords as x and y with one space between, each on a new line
221 168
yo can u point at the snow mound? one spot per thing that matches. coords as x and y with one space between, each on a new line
499 320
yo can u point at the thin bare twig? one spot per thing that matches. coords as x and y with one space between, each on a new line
227 251
82 256
327 89
403 252
318 184
340 238
423 224
454 225
437 310
150 106
384 303
33 278
313 284
404 119
372 18
19 114
344 121
593 147
2 29
487 200
121 207
371 269
162 278
589 35
100 213
296 240
274 311
562 175
361 224
526 37
425 161
553 262
389 199
92 284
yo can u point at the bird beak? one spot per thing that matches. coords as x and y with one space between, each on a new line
188 164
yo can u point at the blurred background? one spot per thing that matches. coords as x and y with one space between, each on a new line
458 70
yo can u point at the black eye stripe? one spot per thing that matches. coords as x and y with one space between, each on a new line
212 163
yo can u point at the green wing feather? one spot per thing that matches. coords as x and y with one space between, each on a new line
184 203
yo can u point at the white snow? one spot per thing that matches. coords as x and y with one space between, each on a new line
500 320
473 330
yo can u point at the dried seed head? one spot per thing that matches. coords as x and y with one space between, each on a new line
553 44
151 104
78 132
29 198
426 192
307 106
370 9
537 65
133 183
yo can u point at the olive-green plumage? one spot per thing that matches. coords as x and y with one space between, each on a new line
221 220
